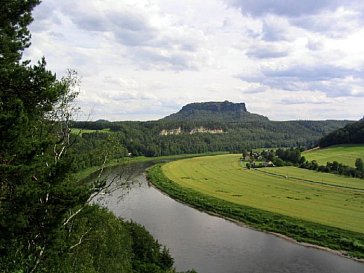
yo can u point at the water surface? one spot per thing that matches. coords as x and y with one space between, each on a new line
210 244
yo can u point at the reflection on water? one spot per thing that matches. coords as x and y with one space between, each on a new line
213 245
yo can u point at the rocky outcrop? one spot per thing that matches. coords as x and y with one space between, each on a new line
166 132
178 131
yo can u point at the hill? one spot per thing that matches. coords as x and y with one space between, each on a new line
345 154
211 127
351 134
215 111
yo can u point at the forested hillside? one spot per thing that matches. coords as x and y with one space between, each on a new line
350 134
210 127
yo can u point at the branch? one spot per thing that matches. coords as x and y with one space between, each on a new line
80 241
73 215
90 198
38 260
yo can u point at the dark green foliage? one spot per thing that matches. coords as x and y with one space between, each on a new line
278 162
148 254
15 16
350 134
36 189
349 242
333 167
292 155
45 224
145 138
98 242
359 164
93 149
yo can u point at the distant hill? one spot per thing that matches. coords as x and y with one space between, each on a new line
213 126
350 134
217 111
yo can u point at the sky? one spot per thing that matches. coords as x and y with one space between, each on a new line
145 59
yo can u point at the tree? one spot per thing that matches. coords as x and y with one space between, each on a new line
37 190
359 164
15 16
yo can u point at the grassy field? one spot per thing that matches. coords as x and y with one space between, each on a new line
78 131
316 197
298 175
345 154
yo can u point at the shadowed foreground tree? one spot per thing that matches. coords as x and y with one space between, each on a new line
45 222
36 188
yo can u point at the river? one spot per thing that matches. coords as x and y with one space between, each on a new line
210 244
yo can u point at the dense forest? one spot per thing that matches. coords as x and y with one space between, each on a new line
211 127
351 134
46 222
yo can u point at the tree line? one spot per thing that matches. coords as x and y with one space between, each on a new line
293 157
350 134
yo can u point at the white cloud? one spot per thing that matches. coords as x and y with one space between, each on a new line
145 59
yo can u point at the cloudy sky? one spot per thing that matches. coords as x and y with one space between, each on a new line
143 60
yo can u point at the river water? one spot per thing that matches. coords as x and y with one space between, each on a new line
210 244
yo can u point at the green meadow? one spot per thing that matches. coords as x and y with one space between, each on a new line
325 199
77 131
345 154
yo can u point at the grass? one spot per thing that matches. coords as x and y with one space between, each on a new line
296 174
345 154
78 131
325 215
224 178
139 159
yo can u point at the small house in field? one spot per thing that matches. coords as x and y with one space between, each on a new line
268 164
247 158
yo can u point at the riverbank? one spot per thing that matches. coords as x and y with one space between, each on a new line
133 249
337 240
95 170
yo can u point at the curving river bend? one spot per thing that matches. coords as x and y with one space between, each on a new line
210 244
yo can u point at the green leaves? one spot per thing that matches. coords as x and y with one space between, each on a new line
359 164
36 188
15 16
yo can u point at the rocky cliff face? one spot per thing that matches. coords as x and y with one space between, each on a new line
178 131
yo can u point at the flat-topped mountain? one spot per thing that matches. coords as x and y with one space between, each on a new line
218 107
218 111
